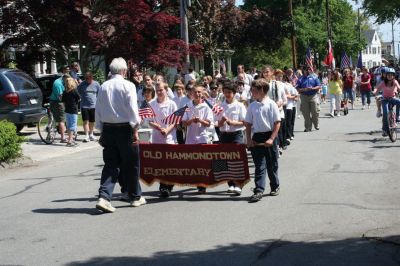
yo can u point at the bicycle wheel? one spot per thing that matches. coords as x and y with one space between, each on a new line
392 132
46 129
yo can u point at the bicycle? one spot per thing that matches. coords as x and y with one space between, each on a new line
47 126
391 122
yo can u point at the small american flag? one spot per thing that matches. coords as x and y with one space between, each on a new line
145 111
223 169
216 109
309 59
175 117
345 62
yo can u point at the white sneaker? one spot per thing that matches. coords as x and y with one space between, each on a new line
378 114
338 114
363 107
331 115
104 205
86 139
238 191
139 202
92 138
231 189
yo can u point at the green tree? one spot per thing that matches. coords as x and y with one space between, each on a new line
383 10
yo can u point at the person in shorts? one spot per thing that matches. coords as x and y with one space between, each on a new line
88 90
71 100
56 104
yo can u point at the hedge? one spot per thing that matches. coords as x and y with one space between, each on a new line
10 142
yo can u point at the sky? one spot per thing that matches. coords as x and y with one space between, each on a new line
385 30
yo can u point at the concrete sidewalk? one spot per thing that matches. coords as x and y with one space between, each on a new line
36 150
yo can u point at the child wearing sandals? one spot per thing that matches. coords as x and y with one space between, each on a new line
71 99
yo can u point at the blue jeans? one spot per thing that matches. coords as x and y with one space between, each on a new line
121 160
72 122
265 161
385 109
348 94
366 94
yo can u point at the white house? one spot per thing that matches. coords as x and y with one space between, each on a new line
372 54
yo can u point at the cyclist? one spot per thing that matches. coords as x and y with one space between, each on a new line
389 87
378 98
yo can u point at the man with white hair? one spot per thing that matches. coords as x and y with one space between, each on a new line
118 119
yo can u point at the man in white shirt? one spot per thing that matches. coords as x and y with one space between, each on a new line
117 118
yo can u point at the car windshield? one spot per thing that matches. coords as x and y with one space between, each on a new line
21 81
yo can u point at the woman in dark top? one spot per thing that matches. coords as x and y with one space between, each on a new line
71 99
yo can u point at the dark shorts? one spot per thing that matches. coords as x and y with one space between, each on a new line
88 114
58 111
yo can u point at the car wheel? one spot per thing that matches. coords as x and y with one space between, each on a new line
19 127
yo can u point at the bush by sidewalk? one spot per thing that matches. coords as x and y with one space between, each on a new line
10 142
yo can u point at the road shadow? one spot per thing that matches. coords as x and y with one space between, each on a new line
314 251
89 211
385 147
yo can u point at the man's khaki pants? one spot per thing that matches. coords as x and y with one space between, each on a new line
310 110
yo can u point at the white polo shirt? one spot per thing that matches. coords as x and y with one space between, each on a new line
196 133
293 92
234 111
161 111
262 115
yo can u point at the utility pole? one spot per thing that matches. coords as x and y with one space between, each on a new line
293 34
184 5
393 48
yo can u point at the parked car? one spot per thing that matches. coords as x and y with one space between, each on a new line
20 98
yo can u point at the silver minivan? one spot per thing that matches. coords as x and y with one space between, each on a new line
20 98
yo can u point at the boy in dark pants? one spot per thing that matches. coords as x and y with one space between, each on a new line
262 127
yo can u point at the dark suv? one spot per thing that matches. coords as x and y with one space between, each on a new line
45 83
20 98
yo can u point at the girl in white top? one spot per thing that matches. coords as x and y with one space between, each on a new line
162 107
163 133
197 121
161 79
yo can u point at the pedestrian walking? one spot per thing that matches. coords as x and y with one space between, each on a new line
365 88
118 119
335 86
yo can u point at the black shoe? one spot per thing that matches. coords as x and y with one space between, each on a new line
316 128
256 197
307 130
274 192
201 190
164 193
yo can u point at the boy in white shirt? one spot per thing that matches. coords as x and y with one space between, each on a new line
262 127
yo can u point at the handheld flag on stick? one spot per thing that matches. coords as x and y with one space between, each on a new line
309 59
145 111
175 117
216 109
329 59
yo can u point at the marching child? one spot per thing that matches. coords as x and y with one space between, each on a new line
231 124
262 126
71 99
197 121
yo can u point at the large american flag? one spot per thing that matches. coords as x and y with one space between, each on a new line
309 59
216 109
224 169
345 62
145 111
175 117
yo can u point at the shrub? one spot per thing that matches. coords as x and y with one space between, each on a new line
10 142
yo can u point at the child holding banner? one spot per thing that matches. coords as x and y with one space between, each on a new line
231 124
163 133
197 120
262 127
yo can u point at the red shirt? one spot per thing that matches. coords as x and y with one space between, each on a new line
365 78
348 82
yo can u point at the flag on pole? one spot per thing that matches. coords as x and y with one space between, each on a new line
329 59
175 117
359 61
309 59
345 62
351 61
145 111
216 109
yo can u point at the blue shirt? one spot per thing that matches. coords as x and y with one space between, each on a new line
88 93
57 90
308 82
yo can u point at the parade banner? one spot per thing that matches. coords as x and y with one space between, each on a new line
194 165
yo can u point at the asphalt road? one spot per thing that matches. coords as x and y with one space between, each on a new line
339 205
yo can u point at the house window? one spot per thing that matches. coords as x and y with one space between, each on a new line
374 50
379 50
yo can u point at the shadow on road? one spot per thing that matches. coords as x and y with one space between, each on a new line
351 251
89 211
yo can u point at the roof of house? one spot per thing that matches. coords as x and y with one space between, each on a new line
369 34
